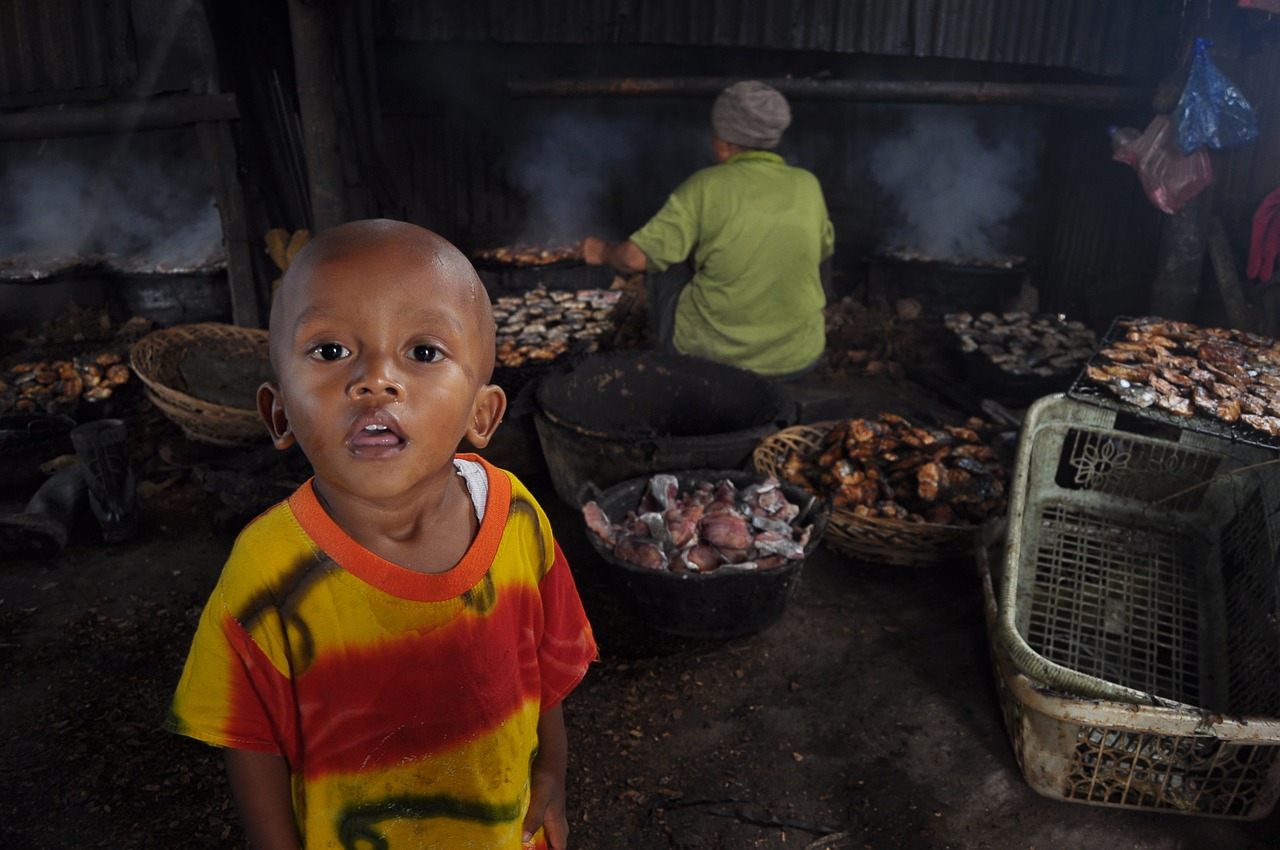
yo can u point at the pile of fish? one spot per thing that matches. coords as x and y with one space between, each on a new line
888 468
540 325
711 526
1230 376
1023 343
59 386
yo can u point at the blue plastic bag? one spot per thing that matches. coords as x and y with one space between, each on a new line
1212 112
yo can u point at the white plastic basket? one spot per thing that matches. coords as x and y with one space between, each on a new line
1135 614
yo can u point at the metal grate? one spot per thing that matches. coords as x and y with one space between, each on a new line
1252 609
1119 604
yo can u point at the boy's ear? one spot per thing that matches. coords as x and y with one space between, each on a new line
271 409
486 416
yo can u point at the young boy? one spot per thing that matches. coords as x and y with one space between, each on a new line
385 653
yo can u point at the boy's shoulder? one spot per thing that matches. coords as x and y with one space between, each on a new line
272 542
275 520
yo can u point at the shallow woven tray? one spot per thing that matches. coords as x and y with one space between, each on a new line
157 359
874 539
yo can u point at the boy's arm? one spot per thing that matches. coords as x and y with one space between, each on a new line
264 799
547 798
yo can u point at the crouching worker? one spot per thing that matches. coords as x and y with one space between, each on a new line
734 261
385 653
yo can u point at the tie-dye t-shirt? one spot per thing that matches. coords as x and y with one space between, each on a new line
406 704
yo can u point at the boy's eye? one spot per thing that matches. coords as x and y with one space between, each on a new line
426 353
330 351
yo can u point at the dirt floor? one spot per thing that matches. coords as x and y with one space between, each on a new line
866 717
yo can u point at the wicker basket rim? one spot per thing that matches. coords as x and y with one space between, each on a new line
177 339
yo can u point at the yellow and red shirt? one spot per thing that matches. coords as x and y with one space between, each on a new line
406 704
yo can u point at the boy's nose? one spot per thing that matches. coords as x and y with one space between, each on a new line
378 378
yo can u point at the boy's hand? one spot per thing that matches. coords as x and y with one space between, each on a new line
547 809
546 782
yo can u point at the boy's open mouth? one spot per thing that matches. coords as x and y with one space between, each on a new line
375 430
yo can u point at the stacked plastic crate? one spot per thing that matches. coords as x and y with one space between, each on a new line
1133 604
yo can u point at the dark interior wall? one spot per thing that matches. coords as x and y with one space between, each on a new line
432 133
96 214
487 168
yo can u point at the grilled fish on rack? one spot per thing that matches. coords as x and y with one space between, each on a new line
1023 343
1224 375
540 325
523 254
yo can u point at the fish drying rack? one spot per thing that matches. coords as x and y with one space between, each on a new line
1089 391
1133 616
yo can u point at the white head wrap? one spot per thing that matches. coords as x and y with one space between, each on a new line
751 114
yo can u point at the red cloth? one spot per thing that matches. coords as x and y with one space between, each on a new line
1265 244
1264 5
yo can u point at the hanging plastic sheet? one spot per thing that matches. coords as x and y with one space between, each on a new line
1169 177
1212 112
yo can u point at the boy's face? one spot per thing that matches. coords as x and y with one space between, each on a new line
382 347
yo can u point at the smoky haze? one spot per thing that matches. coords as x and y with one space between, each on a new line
140 202
602 175
565 172
956 177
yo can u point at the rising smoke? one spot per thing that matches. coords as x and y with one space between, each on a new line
140 202
601 175
957 177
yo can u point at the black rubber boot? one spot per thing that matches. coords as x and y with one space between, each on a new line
42 529
102 448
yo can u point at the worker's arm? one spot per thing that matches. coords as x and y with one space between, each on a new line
264 799
623 256
547 797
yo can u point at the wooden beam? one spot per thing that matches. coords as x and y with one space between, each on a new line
866 91
118 117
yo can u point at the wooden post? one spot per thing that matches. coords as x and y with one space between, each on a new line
1176 287
314 70
220 157
1271 309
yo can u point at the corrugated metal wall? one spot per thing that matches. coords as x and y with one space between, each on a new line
1102 234
60 51
1245 175
1103 37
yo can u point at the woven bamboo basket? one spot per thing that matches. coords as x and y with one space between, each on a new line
873 539
157 358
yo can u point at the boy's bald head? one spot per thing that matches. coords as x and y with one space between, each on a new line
446 273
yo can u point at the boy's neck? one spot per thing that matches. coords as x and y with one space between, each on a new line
428 532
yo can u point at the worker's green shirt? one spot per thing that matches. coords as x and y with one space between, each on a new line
756 230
